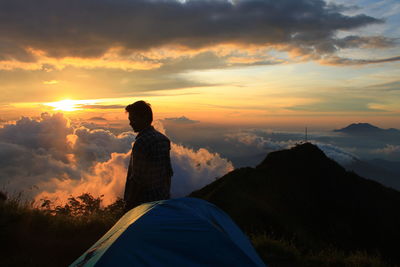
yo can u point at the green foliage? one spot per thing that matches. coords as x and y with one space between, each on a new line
85 206
50 235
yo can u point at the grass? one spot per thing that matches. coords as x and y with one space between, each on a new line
48 235
279 252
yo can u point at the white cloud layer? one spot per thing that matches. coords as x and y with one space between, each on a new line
261 144
49 158
337 154
195 169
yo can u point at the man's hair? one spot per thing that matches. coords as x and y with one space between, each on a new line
142 109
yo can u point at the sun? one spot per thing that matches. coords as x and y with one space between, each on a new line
68 104
64 105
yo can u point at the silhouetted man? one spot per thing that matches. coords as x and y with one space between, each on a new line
150 171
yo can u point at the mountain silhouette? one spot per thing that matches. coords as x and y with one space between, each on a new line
365 128
302 195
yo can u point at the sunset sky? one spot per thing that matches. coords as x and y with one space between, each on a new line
229 81
226 62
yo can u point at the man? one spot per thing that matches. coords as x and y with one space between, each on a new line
149 171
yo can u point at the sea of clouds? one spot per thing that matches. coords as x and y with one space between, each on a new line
50 158
266 144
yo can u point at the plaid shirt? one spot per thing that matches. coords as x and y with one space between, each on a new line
149 171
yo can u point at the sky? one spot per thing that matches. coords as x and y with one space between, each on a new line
228 81
245 62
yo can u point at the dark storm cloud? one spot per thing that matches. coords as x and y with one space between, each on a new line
86 28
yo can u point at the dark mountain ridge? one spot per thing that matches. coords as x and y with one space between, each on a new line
302 195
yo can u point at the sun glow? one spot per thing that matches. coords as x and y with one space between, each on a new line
69 105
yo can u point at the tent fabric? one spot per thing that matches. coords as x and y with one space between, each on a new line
174 232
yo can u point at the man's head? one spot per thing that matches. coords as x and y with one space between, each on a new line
140 115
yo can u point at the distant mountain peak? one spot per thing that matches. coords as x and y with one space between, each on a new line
359 128
365 128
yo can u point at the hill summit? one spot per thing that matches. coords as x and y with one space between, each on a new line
302 195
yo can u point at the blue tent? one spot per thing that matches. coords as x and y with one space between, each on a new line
175 232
